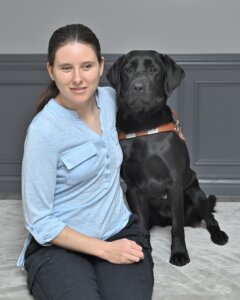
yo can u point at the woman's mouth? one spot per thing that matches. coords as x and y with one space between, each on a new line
78 90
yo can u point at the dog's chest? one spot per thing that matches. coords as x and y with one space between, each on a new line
143 158
153 162
155 145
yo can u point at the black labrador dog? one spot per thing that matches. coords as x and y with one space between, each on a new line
161 187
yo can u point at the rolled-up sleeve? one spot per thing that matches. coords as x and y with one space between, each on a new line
39 169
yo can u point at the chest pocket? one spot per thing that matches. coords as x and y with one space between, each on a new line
81 163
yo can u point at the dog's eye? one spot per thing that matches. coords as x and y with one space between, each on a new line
152 69
130 70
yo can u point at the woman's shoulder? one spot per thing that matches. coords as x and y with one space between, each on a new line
107 98
43 124
107 91
41 121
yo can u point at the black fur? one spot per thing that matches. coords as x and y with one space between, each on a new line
161 187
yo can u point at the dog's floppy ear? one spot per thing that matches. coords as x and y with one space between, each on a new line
113 74
174 74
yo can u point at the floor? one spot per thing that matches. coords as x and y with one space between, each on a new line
212 274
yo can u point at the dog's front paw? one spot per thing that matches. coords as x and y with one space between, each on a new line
218 236
179 259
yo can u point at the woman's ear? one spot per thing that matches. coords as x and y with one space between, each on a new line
50 71
102 63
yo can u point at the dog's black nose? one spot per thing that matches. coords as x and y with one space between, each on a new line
139 87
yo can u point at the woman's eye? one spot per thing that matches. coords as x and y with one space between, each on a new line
66 68
87 67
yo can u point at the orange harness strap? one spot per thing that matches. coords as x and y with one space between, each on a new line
175 127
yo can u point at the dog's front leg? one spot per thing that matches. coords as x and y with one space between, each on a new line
179 254
139 205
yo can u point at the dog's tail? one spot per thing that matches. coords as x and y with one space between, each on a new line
212 199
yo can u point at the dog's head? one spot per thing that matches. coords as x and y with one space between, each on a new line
144 79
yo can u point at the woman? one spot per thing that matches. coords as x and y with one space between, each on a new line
83 241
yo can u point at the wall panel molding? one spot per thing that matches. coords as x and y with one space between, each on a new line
211 84
197 159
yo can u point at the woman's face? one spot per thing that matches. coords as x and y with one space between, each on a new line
76 72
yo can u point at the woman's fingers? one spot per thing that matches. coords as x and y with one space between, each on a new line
137 250
124 251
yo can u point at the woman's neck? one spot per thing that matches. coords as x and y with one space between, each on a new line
88 109
90 115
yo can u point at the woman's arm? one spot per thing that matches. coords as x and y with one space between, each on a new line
121 251
39 169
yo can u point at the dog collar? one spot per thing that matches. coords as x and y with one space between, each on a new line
172 126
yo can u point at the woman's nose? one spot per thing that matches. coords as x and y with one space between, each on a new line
77 77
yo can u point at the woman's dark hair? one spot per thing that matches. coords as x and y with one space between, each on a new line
61 37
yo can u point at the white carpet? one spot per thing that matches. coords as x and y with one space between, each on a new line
212 274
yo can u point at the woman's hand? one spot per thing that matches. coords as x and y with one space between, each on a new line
123 251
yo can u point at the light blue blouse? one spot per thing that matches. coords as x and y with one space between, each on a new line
70 174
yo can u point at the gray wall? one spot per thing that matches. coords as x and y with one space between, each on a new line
170 26
207 103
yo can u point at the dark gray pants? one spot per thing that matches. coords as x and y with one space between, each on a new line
55 273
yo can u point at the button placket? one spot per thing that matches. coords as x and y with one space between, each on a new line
107 164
